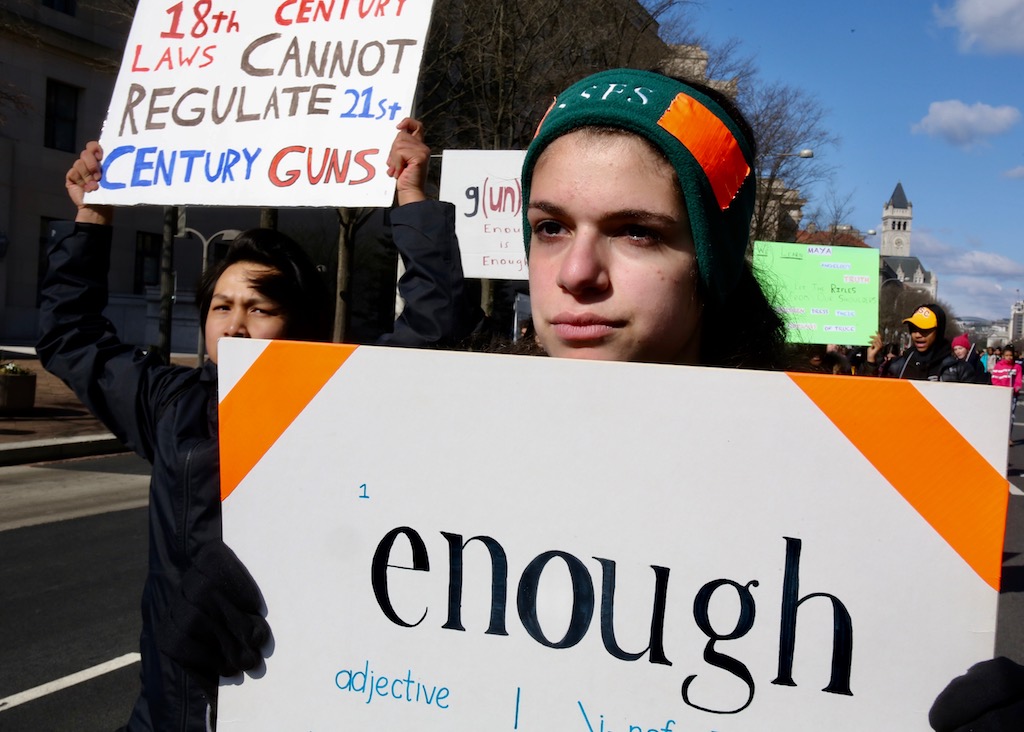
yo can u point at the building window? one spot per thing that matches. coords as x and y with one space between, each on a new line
61 116
61 6
147 261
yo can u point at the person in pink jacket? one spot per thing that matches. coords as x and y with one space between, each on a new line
1007 372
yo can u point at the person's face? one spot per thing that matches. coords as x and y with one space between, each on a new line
960 352
239 311
613 272
923 339
1008 356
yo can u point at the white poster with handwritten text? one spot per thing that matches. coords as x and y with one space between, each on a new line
457 541
261 102
484 186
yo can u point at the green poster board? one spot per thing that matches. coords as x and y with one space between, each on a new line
827 294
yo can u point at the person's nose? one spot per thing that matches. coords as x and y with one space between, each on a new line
236 326
584 266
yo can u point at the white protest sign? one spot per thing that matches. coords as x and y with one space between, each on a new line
668 548
485 187
262 102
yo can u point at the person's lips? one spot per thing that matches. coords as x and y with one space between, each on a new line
583 327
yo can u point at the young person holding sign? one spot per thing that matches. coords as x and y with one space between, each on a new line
266 287
639 191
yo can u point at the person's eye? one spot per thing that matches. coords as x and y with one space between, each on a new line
548 229
221 307
640 235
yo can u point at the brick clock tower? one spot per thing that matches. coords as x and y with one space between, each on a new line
896 218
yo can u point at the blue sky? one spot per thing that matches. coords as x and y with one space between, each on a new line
930 94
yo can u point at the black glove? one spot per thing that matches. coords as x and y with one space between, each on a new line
213 626
988 698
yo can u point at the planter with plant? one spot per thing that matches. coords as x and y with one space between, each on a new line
17 387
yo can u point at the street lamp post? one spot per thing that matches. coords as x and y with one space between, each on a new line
772 194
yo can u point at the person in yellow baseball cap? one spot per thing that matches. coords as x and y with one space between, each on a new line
930 357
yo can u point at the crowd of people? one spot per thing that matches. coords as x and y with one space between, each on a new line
931 356
639 190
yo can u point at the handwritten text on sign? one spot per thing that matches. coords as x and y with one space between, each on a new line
485 188
261 103
826 294
650 562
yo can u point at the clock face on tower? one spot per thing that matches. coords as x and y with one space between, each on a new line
898 243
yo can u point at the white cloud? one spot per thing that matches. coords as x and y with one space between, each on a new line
963 125
978 297
994 26
927 245
1017 172
947 259
983 264
975 282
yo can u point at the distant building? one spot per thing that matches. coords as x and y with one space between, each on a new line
843 235
896 262
998 334
985 333
1016 322
57 72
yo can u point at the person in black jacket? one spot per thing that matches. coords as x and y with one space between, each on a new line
930 357
266 287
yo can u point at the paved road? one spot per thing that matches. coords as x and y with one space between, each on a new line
70 579
1010 629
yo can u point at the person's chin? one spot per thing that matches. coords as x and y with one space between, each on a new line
588 352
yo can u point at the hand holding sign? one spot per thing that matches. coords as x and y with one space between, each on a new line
83 177
408 161
214 626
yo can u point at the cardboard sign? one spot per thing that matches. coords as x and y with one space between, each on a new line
611 547
485 187
827 294
261 102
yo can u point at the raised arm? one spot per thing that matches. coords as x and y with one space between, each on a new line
437 311
114 380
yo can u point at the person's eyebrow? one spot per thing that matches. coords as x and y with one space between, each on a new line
643 216
547 207
628 214
256 299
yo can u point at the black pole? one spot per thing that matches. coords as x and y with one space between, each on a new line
163 344
268 218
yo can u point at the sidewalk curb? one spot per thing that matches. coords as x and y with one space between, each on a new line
36 451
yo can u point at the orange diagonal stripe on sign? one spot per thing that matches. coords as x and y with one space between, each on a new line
933 467
267 399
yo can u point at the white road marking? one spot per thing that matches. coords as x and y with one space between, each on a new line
75 678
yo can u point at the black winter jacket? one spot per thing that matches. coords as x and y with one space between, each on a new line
168 414
937 365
